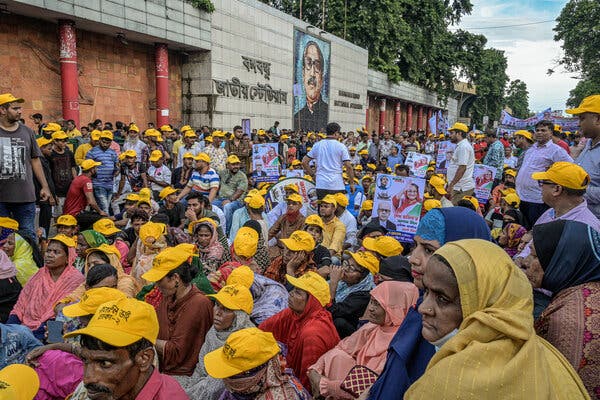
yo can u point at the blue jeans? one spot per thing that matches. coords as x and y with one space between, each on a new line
103 197
23 213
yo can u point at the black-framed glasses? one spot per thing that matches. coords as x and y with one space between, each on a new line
309 63
350 268
542 183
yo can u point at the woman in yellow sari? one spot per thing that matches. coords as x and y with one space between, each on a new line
478 312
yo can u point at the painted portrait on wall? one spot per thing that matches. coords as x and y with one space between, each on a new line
311 82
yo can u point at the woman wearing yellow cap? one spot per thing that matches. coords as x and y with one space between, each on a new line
151 241
211 251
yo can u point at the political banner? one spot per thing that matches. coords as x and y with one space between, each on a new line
444 155
433 124
418 163
306 188
397 204
484 176
265 162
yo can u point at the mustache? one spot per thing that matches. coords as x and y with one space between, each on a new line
312 81
92 387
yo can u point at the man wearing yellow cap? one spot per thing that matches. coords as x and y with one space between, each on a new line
589 159
189 144
334 231
234 183
81 191
133 142
104 181
523 141
181 175
134 172
159 174
346 218
63 167
217 153
18 193
203 180
239 147
462 163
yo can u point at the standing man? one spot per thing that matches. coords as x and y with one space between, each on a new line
19 162
236 146
133 142
523 141
63 167
495 155
81 191
460 169
330 157
45 216
589 159
103 183
38 119
334 230
134 172
538 158
216 153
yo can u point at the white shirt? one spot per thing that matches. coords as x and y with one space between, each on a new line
138 146
219 213
162 173
351 228
462 155
329 155
195 150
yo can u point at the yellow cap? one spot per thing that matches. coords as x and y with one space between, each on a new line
166 191
366 260
52 127
91 300
438 183
105 226
18 381
64 239
284 137
130 153
565 174
188 155
299 241
150 232
242 275
152 132
122 322
133 197
322 135
9 98
511 172
9 223
168 260
351 148
106 249
314 284
261 132
512 199
295 197
106 135
363 152
235 297
89 164
255 201
386 246
59 135
292 186
208 139
525 134
372 167
202 157
206 220
245 242
219 134
315 220
233 159
244 350
308 178
186 128
430 204
42 141
191 134
329 199
507 191
156 155
166 128
341 199
459 126
133 128
590 104
66 220
296 162
442 136
473 201
95 134
367 205
358 167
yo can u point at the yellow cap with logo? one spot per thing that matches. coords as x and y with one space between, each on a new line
91 300
202 157
565 174
235 297
245 243
329 199
386 246
315 220
314 284
242 275
341 199
233 159
18 381
64 239
59 135
295 197
168 260
42 141
366 260
52 127
155 155
166 192
105 226
66 220
299 241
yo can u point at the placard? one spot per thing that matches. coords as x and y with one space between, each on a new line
444 155
418 163
265 162
484 176
306 188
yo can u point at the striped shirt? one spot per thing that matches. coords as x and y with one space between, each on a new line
106 171
203 183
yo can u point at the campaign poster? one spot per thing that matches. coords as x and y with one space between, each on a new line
294 173
265 162
484 176
444 155
311 82
397 204
276 194
418 163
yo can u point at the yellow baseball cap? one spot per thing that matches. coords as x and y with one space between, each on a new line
507 191
91 300
66 220
188 155
133 128
511 172
106 249
190 133
64 239
366 260
235 297
218 134
341 199
299 241
202 157
208 139
367 205
386 246
565 174
156 155
284 137
244 350
233 159
459 126
315 220
206 220
42 141
590 104
512 199
9 98
18 381
242 275
292 186
525 134
372 167
166 128
122 322
95 135
106 134
168 260
358 167
430 204
314 284
152 132
363 152
473 201
105 226
133 197
166 191
438 183
89 164
296 162
186 128
59 135
52 127
255 201
245 242
9 223
295 197
150 232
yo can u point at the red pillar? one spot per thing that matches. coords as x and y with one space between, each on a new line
397 118
409 113
162 83
68 70
420 118
429 114
381 116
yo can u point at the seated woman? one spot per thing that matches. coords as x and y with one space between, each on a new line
305 327
86 240
9 286
184 313
36 302
390 301
255 370
151 241
114 236
291 221
477 311
21 250
564 260
350 285
261 256
269 297
511 237
205 236
233 305
297 258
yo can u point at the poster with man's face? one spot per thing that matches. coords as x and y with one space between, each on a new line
311 82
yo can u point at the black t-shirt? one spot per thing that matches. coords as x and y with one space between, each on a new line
175 214
61 165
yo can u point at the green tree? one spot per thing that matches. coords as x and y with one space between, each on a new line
491 79
517 98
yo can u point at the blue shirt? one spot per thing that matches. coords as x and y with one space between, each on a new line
589 159
17 341
106 171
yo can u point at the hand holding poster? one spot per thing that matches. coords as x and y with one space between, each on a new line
265 162
444 154
397 204
484 180
418 163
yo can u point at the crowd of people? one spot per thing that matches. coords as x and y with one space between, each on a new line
147 263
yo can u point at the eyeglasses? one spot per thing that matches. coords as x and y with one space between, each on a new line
309 63
542 183
348 267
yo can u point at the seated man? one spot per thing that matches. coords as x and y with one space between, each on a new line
334 231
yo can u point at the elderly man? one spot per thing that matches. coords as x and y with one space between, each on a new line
122 334
314 115
462 163
217 154
234 183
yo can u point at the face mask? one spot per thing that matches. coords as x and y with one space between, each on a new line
440 342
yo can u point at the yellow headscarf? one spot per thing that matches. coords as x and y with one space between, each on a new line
496 353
